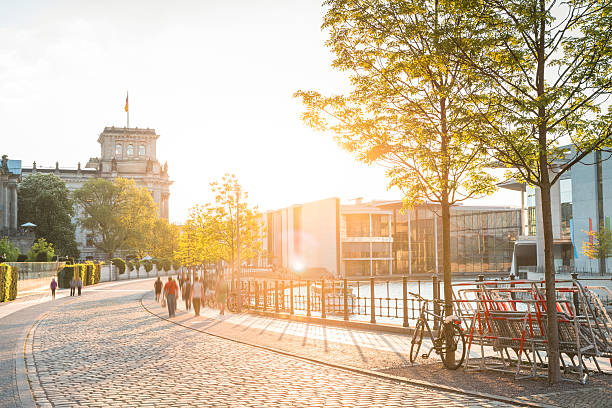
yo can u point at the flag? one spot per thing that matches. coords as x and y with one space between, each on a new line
126 102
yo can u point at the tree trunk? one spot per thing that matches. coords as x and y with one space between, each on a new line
552 334
446 267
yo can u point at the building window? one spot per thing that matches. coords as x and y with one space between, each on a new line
531 210
356 250
380 225
381 267
130 150
141 150
565 187
358 225
118 149
357 268
381 249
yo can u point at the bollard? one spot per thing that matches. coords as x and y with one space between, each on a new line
405 300
345 299
276 296
291 297
323 314
372 302
256 283
436 296
575 298
307 298
265 295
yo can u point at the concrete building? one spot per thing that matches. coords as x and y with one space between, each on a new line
124 152
581 202
379 239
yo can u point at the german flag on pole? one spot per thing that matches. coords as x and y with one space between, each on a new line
126 102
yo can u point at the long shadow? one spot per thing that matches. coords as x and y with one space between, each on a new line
363 358
392 347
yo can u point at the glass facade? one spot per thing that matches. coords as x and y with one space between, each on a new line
530 202
357 225
481 241
565 186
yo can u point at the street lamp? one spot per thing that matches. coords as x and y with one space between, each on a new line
239 302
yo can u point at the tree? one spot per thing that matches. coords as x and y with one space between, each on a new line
209 234
406 108
41 251
599 245
45 201
165 239
118 213
8 250
544 73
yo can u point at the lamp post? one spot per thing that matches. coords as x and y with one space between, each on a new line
239 302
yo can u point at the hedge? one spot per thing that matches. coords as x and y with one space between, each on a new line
119 263
148 265
8 283
89 273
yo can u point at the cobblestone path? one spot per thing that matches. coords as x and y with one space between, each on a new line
104 349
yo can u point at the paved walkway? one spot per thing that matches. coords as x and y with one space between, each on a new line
105 349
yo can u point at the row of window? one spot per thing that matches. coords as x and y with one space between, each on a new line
130 150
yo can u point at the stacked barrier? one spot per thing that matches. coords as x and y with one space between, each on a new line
511 317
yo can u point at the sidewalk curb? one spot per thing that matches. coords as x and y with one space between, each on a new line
362 371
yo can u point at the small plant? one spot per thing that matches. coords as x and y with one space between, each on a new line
8 249
166 264
130 265
119 263
41 246
148 265
176 264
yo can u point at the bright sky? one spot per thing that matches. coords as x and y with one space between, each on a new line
214 78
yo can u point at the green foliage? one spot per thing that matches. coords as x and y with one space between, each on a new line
601 246
209 234
41 251
148 265
157 262
176 264
136 264
130 265
120 264
119 212
89 273
8 249
45 201
165 241
22 258
8 283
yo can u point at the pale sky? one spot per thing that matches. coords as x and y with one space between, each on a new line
214 78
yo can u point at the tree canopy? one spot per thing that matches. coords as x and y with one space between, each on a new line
118 213
45 201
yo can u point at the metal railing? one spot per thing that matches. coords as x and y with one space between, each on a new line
375 300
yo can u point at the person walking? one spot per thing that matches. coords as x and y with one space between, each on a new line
170 294
53 287
72 286
158 288
221 294
187 293
79 284
196 295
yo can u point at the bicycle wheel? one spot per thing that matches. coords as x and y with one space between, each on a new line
417 339
456 345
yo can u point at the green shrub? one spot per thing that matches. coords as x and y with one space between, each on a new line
176 264
130 265
41 246
158 263
22 258
119 263
136 265
8 283
9 249
148 265
166 264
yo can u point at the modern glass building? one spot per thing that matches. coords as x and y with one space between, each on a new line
379 238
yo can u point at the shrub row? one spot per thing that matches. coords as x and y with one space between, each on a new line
89 273
8 283
160 263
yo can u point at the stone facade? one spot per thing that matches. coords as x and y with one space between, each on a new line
8 198
124 152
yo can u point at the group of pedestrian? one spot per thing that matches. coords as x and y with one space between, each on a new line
192 293
76 285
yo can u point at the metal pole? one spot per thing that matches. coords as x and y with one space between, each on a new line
238 246
323 298
436 296
291 297
276 296
372 302
346 316
307 298
405 300
265 295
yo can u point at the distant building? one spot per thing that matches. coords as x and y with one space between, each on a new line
581 201
10 171
379 239
124 152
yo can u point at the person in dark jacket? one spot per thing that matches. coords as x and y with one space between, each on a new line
158 288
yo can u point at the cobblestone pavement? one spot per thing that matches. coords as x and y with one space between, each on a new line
104 349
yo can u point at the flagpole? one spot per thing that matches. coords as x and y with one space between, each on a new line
127 111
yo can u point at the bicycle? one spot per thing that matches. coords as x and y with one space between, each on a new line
449 339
